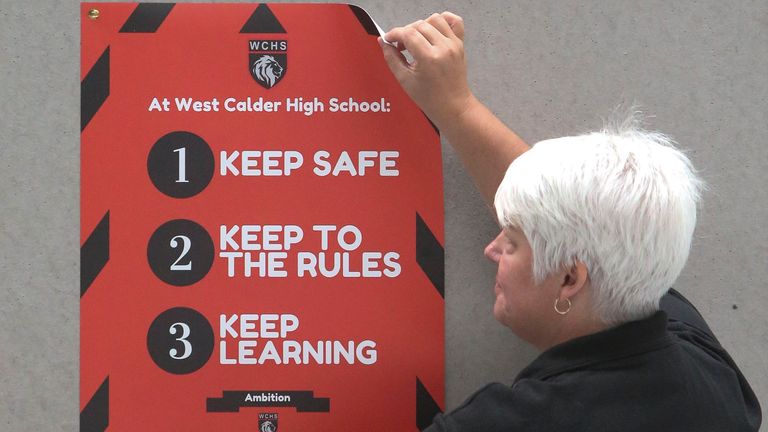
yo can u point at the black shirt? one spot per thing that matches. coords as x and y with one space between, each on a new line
667 372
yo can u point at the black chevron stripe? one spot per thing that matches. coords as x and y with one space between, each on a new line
426 407
95 415
94 254
365 20
94 89
430 255
147 17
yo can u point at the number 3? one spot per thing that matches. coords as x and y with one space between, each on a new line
183 339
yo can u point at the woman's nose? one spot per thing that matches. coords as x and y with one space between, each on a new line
492 250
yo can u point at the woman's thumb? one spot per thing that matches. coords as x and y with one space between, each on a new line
395 60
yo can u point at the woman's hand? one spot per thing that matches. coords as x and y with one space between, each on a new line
437 81
437 78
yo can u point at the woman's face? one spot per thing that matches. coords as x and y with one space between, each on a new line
522 305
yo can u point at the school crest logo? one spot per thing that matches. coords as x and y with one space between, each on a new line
267 422
268 61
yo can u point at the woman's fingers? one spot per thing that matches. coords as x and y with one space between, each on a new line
456 23
408 38
439 23
430 33
436 79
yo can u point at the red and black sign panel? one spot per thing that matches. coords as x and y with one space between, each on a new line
261 248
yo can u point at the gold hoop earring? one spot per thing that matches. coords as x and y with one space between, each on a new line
562 312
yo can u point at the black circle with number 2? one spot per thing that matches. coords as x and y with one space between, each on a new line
180 340
180 252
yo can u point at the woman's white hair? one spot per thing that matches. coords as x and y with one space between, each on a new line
622 201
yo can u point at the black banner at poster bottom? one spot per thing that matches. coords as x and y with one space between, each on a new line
233 400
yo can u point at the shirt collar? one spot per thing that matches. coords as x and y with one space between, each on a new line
625 340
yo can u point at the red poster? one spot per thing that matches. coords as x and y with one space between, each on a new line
261 224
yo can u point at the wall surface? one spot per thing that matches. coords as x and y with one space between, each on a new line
548 68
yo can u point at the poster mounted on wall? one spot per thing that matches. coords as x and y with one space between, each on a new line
261 224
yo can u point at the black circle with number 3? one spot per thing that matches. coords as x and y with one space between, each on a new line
180 164
180 252
180 340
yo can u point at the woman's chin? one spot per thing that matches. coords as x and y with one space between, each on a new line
498 309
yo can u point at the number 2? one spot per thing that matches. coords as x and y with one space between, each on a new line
185 249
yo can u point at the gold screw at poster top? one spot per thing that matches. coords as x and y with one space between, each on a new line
93 14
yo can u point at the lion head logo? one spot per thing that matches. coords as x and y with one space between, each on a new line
267 426
267 70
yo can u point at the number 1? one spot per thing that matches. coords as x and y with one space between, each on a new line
182 165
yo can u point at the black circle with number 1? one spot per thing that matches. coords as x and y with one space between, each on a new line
180 252
180 340
180 164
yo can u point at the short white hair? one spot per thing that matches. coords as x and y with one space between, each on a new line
622 201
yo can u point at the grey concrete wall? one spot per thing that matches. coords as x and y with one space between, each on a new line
547 68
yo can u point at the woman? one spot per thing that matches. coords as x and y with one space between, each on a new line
595 229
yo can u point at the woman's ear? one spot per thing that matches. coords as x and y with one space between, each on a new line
574 279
